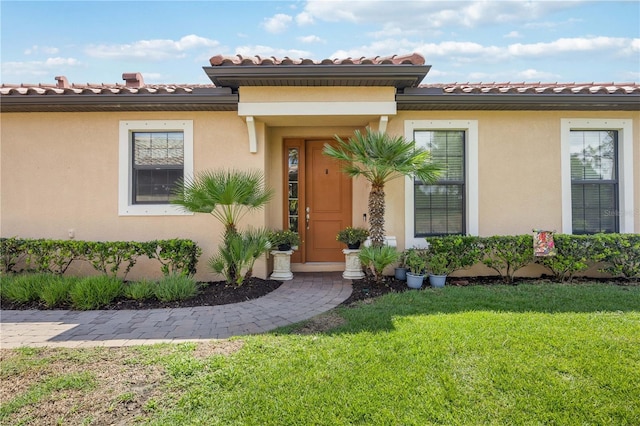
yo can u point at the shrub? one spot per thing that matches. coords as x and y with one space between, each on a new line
507 254
176 256
95 292
175 287
56 290
620 252
23 288
378 258
12 251
574 253
453 252
139 290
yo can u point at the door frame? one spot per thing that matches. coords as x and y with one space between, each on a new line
289 143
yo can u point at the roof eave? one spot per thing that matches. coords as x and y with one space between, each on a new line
399 76
531 102
130 102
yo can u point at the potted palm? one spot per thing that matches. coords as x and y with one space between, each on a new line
352 237
416 263
284 239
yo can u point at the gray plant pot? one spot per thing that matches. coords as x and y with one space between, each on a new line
437 280
414 281
401 274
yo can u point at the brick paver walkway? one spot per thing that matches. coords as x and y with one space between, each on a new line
307 295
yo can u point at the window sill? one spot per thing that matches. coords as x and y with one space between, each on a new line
153 210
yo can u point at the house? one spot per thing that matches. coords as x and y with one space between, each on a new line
97 161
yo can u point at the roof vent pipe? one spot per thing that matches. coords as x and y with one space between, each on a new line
62 82
133 79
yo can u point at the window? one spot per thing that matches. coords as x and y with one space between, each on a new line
158 163
154 155
594 181
597 176
449 206
439 207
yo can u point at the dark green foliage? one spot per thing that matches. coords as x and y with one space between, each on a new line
507 254
177 256
175 287
377 258
450 253
109 257
22 288
55 291
621 254
283 237
574 253
139 290
95 292
239 253
12 251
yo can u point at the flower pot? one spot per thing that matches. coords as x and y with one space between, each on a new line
353 246
401 274
414 281
284 247
437 280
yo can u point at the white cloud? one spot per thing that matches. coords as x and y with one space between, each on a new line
311 39
278 23
304 18
576 44
512 34
536 75
37 69
155 50
47 50
432 14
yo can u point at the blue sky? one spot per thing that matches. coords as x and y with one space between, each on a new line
464 41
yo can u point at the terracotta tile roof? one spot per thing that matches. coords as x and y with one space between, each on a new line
239 60
537 88
99 89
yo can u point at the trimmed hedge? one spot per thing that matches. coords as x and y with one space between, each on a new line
112 258
616 254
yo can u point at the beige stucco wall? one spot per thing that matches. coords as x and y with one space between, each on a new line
60 173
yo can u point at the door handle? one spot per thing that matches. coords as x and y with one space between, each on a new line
307 216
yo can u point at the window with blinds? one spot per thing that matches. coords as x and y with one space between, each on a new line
594 181
158 163
439 207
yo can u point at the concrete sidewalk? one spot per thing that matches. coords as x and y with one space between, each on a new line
307 295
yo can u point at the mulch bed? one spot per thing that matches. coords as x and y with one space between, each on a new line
210 294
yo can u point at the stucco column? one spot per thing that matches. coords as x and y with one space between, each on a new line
282 265
353 267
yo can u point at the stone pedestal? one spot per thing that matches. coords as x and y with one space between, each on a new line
353 267
282 265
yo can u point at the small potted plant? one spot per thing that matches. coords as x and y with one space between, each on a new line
352 237
439 267
284 239
416 263
400 271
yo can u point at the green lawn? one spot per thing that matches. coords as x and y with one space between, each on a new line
523 355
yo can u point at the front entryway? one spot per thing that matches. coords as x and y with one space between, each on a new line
319 202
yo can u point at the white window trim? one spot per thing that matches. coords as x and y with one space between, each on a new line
625 167
470 127
125 204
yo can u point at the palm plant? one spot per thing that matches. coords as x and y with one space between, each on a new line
228 195
379 158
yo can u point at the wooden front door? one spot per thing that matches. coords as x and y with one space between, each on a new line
324 202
